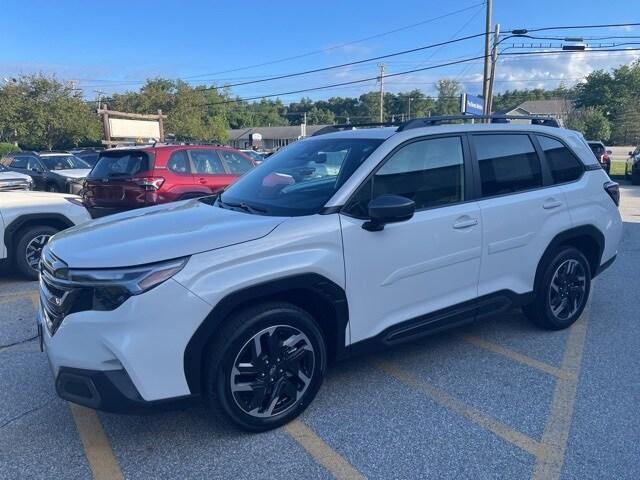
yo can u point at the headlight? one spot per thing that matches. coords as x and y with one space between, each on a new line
135 280
107 289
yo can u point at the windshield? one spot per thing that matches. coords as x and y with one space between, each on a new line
255 155
120 164
63 162
299 179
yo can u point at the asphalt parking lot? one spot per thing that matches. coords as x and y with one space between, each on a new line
497 399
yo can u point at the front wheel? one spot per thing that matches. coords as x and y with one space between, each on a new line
563 290
266 366
29 245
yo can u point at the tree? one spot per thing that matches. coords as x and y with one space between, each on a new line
593 124
43 113
448 102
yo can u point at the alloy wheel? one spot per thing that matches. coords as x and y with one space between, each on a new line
33 252
567 289
272 371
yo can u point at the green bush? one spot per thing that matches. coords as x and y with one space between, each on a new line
7 147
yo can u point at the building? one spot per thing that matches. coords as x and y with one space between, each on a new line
559 108
270 138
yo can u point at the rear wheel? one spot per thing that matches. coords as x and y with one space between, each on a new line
563 290
29 245
635 177
266 366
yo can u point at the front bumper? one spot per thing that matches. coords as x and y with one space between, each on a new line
109 391
144 339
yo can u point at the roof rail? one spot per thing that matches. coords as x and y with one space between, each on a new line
440 120
352 126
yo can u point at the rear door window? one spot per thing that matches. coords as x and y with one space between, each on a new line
235 162
508 163
564 166
120 164
206 162
179 162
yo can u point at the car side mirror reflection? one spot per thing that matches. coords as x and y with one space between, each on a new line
388 209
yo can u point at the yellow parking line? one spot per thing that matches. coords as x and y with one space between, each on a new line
321 452
441 397
12 297
518 357
556 431
97 449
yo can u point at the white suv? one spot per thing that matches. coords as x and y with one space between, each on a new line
28 220
246 298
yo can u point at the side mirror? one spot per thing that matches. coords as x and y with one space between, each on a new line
631 154
609 152
388 209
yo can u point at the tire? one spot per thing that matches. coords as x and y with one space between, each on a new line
565 280
53 188
635 178
29 244
303 365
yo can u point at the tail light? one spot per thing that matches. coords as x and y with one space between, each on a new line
149 183
613 190
604 159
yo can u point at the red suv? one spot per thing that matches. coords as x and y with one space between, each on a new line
123 179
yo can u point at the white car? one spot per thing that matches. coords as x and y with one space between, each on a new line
10 181
244 299
27 222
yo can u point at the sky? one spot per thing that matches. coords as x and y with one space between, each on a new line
114 46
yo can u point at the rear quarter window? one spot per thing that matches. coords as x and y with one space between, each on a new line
121 164
564 166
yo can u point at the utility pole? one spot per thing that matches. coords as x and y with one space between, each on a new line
494 60
487 53
381 78
99 95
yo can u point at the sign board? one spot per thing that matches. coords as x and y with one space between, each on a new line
125 128
471 104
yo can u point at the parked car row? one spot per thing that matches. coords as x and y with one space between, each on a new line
50 171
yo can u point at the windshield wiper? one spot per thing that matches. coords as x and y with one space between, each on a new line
240 205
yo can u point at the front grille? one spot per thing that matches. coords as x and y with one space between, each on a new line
12 185
58 297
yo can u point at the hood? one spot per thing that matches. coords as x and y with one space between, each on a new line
24 198
157 233
14 176
73 172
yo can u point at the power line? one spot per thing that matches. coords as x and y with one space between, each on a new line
343 65
406 72
315 52
572 27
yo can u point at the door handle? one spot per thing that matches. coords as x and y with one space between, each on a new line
466 223
202 180
551 203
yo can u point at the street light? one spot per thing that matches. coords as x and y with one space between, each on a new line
520 33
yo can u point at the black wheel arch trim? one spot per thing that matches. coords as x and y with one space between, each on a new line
565 237
313 283
40 218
